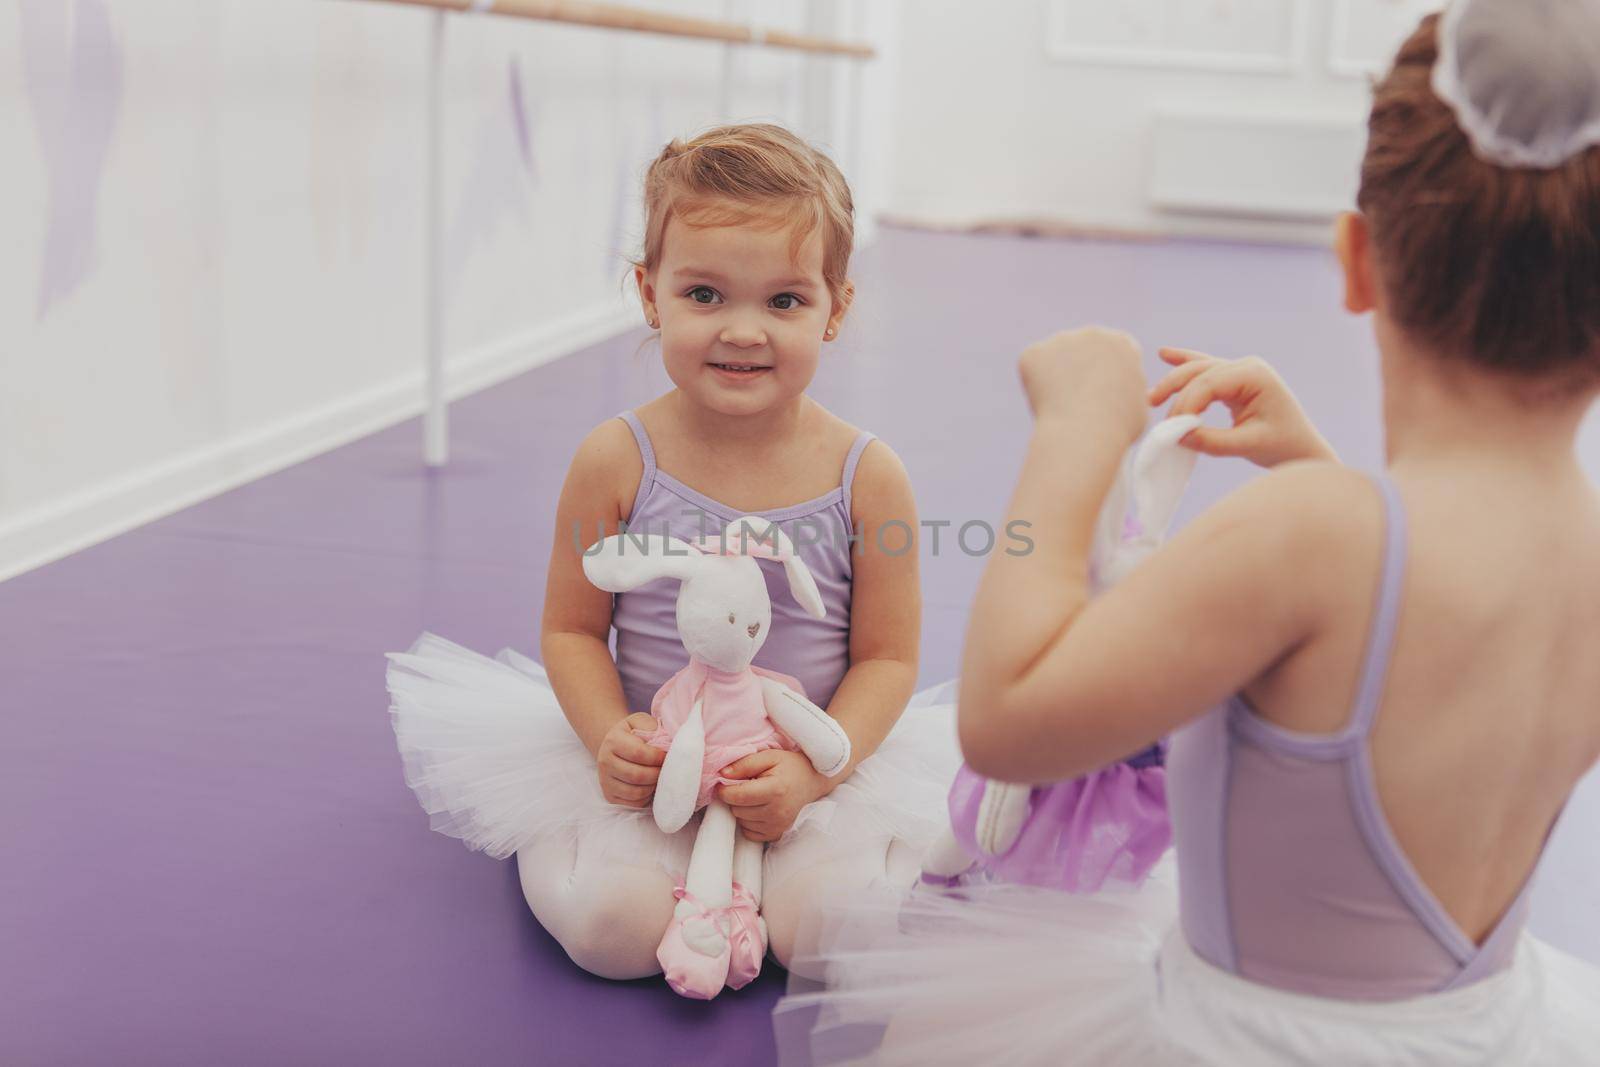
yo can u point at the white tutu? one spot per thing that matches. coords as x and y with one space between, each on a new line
494 762
1005 974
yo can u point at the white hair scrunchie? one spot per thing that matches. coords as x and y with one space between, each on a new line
1523 78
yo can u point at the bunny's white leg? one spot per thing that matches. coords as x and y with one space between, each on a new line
817 733
678 787
696 951
747 859
1001 814
710 877
946 858
747 928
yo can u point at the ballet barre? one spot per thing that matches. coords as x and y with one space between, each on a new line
435 417
622 17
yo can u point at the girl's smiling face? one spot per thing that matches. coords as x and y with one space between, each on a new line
742 314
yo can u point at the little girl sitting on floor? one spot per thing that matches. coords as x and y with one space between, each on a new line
745 274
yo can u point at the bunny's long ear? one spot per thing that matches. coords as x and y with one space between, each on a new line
1143 501
1160 472
623 562
756 536
803 587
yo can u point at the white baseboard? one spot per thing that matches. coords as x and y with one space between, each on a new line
1149 226
61 527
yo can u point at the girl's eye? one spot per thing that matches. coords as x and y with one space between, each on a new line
703 294
793 301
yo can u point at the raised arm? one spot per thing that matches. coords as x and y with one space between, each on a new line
1054 685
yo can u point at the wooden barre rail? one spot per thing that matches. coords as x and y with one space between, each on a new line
620 17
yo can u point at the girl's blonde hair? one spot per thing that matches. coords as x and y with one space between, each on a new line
751 172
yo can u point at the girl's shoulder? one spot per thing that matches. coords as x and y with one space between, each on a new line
875 481
1295 541
1319 498
875 466
837 436
608 462
1320 521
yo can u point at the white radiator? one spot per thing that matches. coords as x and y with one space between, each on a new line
1267 166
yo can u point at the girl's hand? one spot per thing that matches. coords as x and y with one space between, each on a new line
629 767
1092 373
1269 426
775 785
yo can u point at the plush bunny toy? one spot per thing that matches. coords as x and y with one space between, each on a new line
717 710
1110 826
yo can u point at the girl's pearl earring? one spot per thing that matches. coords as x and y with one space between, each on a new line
829 333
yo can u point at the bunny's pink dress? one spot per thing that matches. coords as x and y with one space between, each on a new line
735 716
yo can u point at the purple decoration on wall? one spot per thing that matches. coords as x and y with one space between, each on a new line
632 161
72 74
625 188
521 118
498 180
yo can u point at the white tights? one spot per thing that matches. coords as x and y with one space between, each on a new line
610 914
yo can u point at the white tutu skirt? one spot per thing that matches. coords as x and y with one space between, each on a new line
1004 974
494 762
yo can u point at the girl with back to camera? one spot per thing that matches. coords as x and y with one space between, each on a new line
745 274
1382 689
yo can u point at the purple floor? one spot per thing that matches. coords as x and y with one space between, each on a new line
209 853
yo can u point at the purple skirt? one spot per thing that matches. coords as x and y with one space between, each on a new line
1107 827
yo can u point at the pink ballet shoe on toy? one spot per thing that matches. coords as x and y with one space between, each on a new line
696 950
749 937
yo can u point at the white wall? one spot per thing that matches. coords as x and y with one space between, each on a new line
213 215
1248 115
